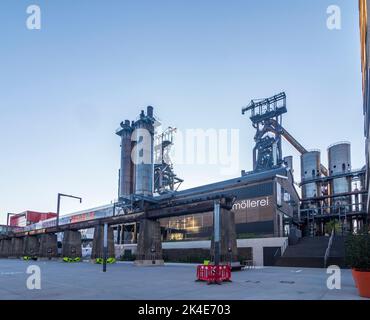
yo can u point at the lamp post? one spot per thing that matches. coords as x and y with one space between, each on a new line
230 250
216 232
58 205
152 251
105 247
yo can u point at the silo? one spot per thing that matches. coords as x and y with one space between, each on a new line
144 157
339 157
126 169
310 169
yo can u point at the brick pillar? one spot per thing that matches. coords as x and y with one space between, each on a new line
31 246
16 250
228 245
149 244
48 246
5 246
71 245
98 243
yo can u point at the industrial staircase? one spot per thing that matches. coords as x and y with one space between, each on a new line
336 255
309 252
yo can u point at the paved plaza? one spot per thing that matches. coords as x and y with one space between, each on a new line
85 280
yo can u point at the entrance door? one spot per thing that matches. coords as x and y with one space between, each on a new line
270 255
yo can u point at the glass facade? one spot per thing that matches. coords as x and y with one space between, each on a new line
254 218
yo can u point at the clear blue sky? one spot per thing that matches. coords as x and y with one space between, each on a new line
65 89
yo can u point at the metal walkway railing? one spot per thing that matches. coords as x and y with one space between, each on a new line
327 252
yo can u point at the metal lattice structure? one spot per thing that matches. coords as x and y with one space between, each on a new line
165 180
266 117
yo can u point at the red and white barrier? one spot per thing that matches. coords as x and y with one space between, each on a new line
214 274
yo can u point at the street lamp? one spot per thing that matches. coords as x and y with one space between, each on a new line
152 251
58 206
216 232
230 250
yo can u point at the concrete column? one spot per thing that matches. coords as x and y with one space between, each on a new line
149 246
228 245
5 246
135 233
31 246
16 250
2 253
119 234
71 245
48 246
98 243
122 234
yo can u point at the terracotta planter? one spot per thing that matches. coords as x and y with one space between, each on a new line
354 277
363 283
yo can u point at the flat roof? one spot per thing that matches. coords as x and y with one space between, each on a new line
248 178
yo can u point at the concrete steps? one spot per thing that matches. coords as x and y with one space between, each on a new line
337 252
301 262
308 253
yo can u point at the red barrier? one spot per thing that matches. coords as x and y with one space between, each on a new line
214 274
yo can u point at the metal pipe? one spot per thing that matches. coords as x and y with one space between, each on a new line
58 204
335 195
125 187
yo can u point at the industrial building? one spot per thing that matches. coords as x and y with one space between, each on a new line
267 204
337 193
29 217
261 213
264 216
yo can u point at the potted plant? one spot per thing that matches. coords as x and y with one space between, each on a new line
357 254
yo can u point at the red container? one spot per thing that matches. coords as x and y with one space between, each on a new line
354 277
19 220
30 217
362 280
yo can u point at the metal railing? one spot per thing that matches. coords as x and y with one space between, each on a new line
327 252
337 209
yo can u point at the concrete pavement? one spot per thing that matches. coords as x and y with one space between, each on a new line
173 281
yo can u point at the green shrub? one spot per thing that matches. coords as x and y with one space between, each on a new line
332 225
357 250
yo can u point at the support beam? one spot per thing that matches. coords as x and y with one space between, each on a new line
48 246
98 242
149 246
228 246
31 246
71 245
